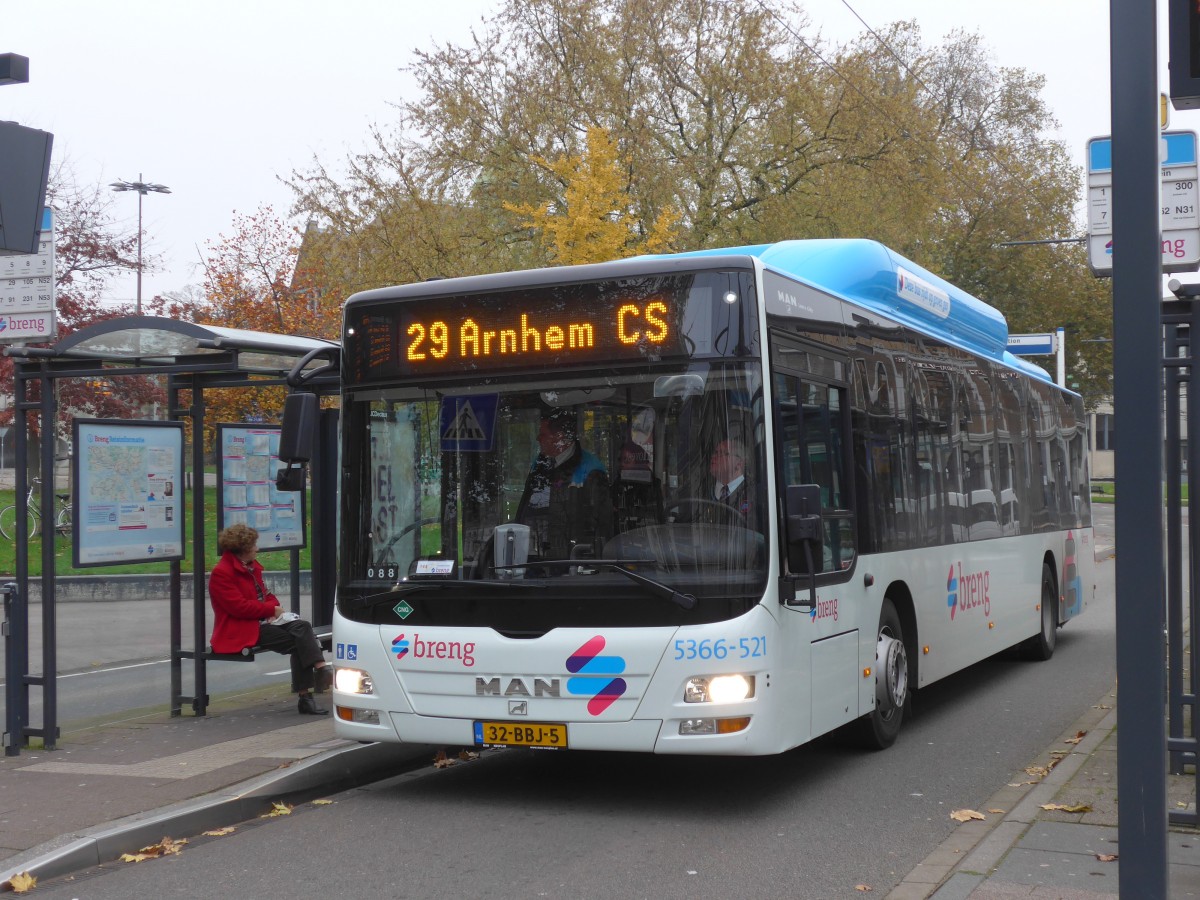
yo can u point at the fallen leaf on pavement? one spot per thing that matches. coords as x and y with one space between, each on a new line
1079 736
998 812
865 888
165 847
277 809
322 802
1106 857
441 761
221 832
467 755
22 882
1037 771
966 815
1063 807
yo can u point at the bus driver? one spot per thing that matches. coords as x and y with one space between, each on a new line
566 501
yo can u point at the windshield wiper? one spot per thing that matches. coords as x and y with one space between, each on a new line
403 589
652 587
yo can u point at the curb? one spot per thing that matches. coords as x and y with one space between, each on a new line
964 860
336 770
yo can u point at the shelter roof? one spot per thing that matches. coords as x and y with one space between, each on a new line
152 341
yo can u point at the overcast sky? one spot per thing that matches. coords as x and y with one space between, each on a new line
219 100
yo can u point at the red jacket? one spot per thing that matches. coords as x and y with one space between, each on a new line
236 605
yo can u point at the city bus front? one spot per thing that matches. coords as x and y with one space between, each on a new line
555 514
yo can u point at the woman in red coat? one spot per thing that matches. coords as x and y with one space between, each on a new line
243 608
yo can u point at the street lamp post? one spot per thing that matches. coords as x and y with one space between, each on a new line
142 189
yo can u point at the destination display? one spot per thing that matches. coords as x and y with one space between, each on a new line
554 327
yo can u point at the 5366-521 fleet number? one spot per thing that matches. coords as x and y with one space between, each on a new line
719 648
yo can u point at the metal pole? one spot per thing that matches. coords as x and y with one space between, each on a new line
1137 393
199 582
1060 343
17 694
49 679
139 271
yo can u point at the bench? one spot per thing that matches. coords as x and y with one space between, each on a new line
325 636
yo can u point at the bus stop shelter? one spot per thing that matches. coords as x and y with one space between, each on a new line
191 359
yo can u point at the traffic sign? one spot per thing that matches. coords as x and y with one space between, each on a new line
1180 206
27 310
1032 344
27 327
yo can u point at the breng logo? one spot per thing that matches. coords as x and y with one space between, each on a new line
825 609
594 671
458 651
969 591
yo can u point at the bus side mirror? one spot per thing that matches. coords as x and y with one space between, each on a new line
300 413
803 503
802 517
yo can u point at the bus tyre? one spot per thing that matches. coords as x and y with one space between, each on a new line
878 729
1040 647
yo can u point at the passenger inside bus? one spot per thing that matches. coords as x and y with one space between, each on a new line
636 491
566 502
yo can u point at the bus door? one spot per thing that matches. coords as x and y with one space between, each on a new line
812 417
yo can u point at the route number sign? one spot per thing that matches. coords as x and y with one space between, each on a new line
1180 206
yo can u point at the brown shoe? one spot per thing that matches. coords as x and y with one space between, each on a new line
307 706
324 678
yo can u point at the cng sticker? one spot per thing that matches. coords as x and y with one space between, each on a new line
403 610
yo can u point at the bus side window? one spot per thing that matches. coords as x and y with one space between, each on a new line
813 452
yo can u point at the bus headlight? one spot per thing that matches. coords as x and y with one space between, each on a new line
718 689
352 681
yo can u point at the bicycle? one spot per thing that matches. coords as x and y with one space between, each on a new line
62 517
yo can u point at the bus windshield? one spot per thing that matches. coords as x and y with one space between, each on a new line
581 499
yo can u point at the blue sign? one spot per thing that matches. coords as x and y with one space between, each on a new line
1177 148
468 424
1031 344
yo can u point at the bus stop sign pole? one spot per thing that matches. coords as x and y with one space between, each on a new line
1137 392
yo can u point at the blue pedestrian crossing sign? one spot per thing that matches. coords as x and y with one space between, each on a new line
468 424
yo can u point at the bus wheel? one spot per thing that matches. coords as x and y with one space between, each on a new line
879 728
1040 647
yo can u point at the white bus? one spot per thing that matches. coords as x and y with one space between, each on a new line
709 503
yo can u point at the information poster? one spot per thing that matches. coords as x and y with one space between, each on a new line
246 487
127 496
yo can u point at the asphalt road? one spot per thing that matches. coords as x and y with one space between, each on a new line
815 822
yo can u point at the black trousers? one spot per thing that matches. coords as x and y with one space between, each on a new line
297 639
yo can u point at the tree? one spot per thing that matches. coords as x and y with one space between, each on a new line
90 252
592 221
732 115
252 281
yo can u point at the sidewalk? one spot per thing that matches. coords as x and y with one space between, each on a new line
1021 849
116 788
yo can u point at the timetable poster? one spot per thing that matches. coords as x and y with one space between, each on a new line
128 502
246 487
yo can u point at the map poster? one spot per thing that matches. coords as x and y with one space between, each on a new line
246 487
127 492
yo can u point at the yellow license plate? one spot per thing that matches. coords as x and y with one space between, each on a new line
542 735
